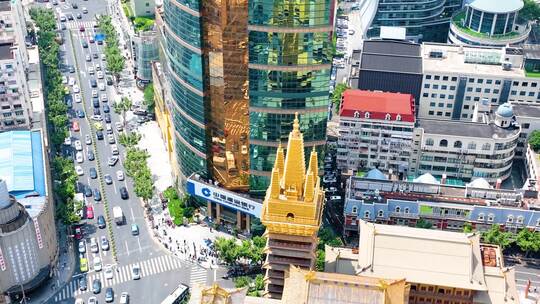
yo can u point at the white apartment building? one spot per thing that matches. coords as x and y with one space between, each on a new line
15 105
375 131
528 117
457 77
467 150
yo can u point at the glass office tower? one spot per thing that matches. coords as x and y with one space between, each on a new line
206 45
289 71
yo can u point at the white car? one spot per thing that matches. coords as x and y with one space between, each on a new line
97 264
119 126
104 98
78 98
101 86
67 141
76 89
79 157
120 175
78 145
97 117
79 170
88 139
92 300
71 81
110 138
64 79
94 93
103 57
100 75
124 298
82 246
88 58
79 301
109 272
62 18
91 70
104 243
135 272
94 245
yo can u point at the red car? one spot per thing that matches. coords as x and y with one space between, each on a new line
81 29
89 212
78 233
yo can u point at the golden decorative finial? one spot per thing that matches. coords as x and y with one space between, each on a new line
296 124
382 284
310 276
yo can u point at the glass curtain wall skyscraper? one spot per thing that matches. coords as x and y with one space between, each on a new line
290 43
238 71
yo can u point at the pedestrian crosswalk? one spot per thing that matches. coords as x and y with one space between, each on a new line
197 276
122 274
77 24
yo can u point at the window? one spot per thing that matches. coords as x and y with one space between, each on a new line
426 86
478 90
437 77
489 81
472 146
443 143
471 79
524 84
406 210
486 147
443 87
442 96
425 95
431 112
487 91
388 117
354 209
534 84
445 78
510 219
454 78
495 91
481 217
519 219
398 210
480 80
452 88
490 217
457 144
469 89
429 142
380 213
497 82
366 214
441 104
366 115
466 107
398 117
526 125
513 93
428 76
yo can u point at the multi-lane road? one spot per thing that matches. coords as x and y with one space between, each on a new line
160 272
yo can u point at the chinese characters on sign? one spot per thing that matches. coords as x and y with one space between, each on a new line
224 197
38 234
2 262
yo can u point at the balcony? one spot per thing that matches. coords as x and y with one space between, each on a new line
514 37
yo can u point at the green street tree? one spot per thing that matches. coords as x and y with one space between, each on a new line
227 249
338 92
129 140
122 107
143 184
534 140
530 10
528 241
421 223
497 237
149 98
467 228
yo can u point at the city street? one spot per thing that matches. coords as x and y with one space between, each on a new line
160 272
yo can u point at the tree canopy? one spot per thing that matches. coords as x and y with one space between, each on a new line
534 140
497 237
530 10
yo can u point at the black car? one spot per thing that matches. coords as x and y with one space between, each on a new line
87 191
101 222
109 80
83 284
95 102
91 155
99 135
71 69
74 5
106 108
96 286
93 173
70 17
97 195
80 113
124 193
93 83
97 111
107 118
95 55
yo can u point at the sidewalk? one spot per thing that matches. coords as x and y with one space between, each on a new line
61 272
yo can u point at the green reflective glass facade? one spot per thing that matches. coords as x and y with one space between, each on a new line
289 71
183 42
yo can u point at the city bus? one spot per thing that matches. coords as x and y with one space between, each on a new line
178 296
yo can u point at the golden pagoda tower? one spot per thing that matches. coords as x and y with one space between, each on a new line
292 212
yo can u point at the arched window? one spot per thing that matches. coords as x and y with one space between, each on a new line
356 114
290 216
366 115
443 143
481 217
490 217
366 214
429 142
472 146
510 219
519 219
486 147
388 117
354 209
380 213
406 210
538 222
398 210
398 117
457 144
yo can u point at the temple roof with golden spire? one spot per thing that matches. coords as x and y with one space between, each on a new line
294 195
